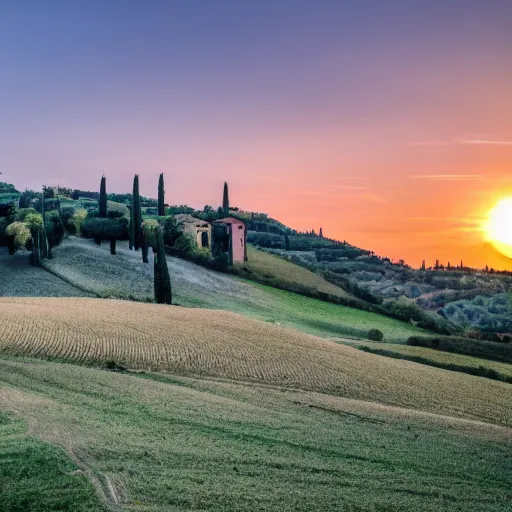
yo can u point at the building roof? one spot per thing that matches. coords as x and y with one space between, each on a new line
185 218
229 220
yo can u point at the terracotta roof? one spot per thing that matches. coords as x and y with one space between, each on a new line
185 218
229 220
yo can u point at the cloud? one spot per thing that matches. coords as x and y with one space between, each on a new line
460 141
448 177
428 143
370 197
486 142
351 187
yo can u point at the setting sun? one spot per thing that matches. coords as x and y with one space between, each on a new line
499 226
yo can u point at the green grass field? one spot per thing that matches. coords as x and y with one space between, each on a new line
37 476
330 320
160 443
262 266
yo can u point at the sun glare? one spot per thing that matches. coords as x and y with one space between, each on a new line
498 227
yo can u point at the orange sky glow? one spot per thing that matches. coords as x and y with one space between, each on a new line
389 124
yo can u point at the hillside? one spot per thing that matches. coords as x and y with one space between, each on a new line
220 344
20 279
153 443
263 265
92 268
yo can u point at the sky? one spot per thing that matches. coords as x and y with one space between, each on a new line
386 122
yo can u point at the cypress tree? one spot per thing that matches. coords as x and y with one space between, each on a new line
103 198
286 242
225 201
161 196
162 280
43 247
132 233
136 215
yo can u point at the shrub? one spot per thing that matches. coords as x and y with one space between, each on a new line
117 210
20 234
185 245
76 221
220 262
106 229
149 237
375 335
54 230
403 309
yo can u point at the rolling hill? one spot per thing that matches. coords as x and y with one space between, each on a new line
91 268
196 342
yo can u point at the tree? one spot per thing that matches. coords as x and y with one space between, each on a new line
162 280
34 222
321 233
7 188
136 215
20 234
75 221
149 228
286 242
110 230
225 201
42 232
103 198
54 227
161 196
132 230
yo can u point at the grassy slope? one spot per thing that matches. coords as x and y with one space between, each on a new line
196 342
272 267
19 278
39 477
87 265
439 358
187 444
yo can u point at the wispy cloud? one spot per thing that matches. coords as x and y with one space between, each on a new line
370 197
482 142
428 143
461 141
351 187
448 177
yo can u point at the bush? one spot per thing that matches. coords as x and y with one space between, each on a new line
117 210
20 233
403 309
375 335
220 262
105 229
54 229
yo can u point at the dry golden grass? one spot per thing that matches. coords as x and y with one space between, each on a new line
272 267
440 357
228 346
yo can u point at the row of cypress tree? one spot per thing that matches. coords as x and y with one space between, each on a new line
139 237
